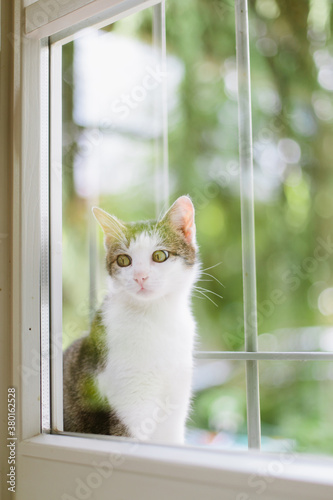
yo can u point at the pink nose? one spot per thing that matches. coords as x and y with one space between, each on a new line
140 279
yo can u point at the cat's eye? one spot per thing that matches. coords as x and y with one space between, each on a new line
160 255
124 260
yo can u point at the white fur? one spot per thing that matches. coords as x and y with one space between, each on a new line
147 379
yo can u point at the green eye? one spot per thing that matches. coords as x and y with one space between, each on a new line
160 255
124 260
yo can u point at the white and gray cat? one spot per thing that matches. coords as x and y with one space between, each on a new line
131 376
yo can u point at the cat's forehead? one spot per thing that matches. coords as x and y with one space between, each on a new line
145 240
151 235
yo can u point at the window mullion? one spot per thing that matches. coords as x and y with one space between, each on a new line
266 355
247 217
161 113
56 235
44 260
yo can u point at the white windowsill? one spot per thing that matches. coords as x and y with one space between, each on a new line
282 472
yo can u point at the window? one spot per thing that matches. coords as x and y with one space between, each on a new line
111 127
59 24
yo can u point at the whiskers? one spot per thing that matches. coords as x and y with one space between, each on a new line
204 292
204 272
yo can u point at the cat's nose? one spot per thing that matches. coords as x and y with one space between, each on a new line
140 279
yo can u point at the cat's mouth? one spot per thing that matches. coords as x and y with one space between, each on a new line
144 291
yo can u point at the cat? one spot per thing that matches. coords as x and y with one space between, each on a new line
131 376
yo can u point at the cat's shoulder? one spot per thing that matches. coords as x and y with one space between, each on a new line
89 351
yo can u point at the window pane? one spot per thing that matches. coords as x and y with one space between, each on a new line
291 56
218 416
297 405
203 151
109 154
291 64
111 81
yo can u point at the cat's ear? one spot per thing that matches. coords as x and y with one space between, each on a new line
112 227
181 217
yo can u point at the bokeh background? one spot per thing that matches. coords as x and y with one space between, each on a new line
112 83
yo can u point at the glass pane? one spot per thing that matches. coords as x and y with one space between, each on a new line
109 154
109 133
203 151
291 57
111 82
297 406
218 416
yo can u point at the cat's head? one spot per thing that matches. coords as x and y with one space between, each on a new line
153 259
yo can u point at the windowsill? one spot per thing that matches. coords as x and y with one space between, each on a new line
250 471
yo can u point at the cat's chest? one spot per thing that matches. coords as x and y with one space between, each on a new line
150 341
148 352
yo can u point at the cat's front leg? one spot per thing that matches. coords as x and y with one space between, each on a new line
160 420
170 429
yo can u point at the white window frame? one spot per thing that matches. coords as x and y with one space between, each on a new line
61 466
